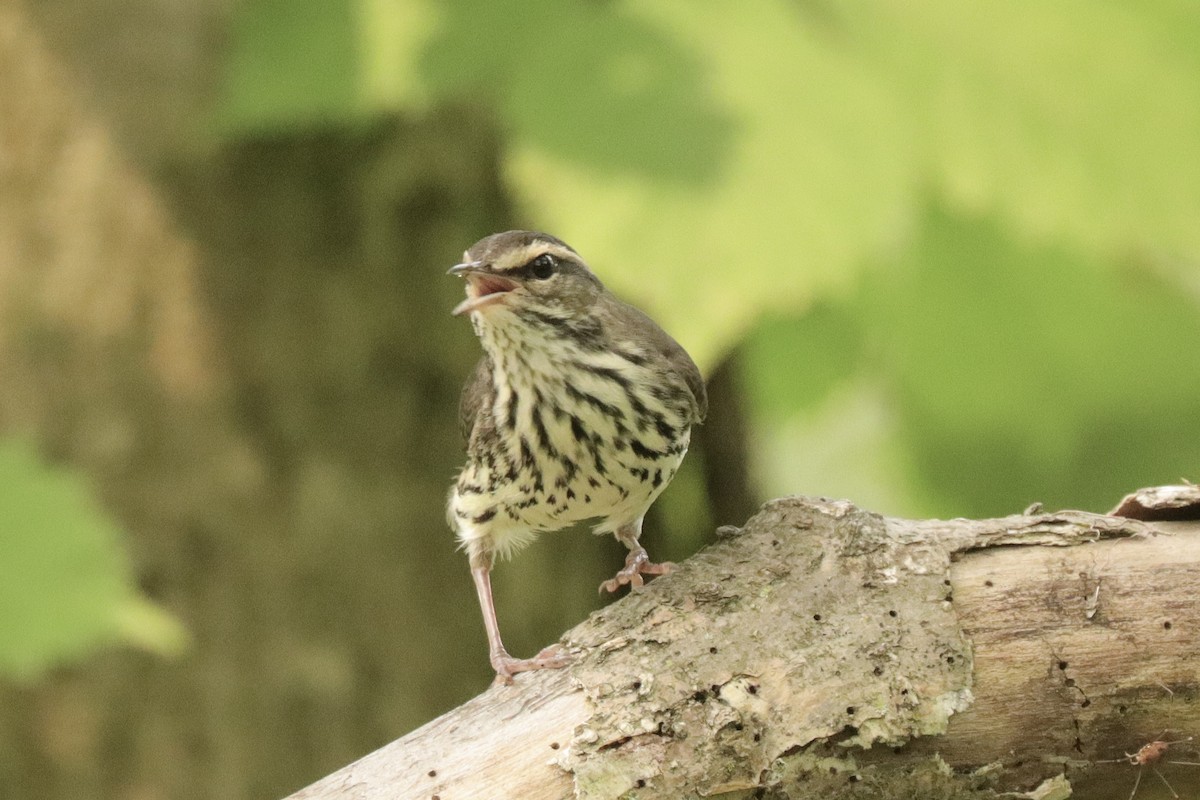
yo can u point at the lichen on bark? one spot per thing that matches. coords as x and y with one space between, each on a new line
871 652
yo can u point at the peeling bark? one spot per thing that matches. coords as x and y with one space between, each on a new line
824 651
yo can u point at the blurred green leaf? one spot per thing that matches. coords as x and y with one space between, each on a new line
1024 372
992 373
587 83
1076 121
64 583
293 63
846 446
796 362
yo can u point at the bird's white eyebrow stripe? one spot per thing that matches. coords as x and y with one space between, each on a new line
515 259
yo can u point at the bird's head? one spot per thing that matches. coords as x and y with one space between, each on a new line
525 271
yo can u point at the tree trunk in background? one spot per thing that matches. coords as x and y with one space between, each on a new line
247 347
724 440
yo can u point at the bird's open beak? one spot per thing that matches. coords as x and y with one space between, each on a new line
484 287
465 268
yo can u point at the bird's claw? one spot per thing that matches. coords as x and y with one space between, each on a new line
637 564
552 657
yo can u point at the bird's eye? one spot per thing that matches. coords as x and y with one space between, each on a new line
543 266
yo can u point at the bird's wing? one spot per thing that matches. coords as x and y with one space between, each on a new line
695 381
476 397
631 324
683 366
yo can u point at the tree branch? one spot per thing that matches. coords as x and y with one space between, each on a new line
1011 650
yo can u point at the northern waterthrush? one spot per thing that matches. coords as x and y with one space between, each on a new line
580 409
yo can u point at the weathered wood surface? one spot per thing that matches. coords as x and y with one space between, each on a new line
1015 649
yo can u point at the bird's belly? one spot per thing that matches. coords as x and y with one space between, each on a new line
569 441
620 494
570 482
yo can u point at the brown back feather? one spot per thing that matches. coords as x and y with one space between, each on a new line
625 323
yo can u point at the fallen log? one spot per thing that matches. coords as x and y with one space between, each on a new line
826 651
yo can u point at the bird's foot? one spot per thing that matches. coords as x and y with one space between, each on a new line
637 564
552 657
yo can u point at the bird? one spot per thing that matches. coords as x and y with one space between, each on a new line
580 409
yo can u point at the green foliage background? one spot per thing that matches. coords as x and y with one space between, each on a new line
950 251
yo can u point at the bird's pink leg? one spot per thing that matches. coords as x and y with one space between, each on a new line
505 665
637 563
